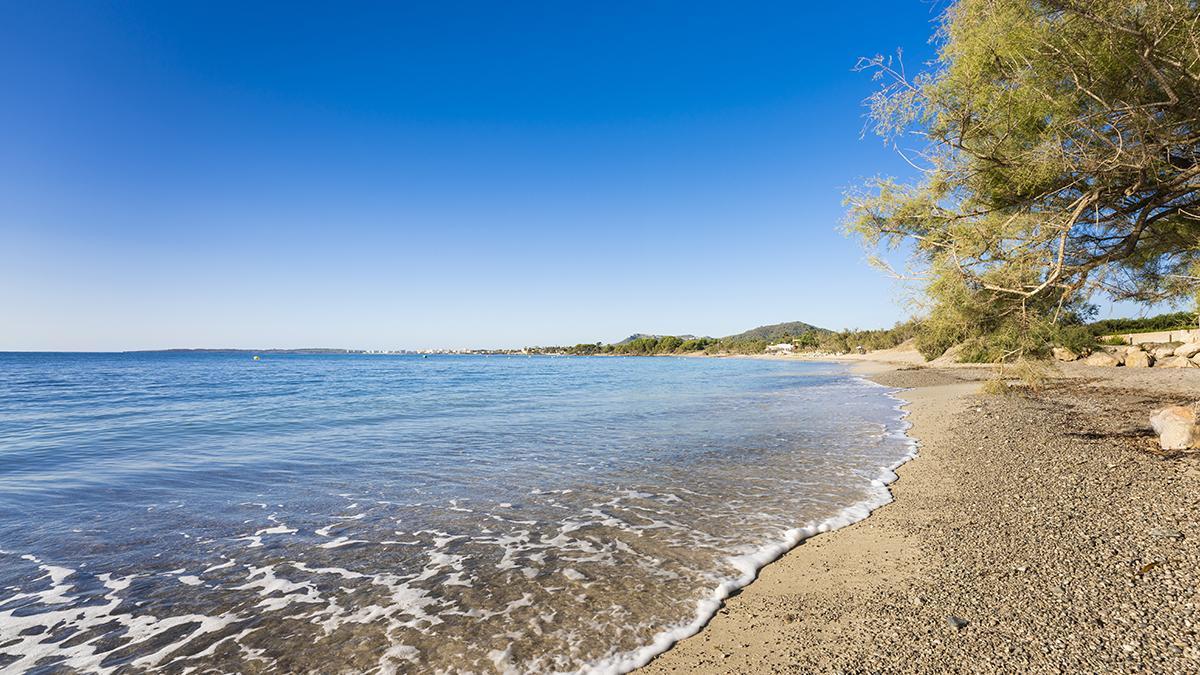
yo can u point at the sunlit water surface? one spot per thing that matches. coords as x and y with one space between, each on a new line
382 513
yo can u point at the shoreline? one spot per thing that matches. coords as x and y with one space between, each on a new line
753 564
900 589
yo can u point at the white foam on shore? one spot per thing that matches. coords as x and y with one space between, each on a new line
34 632
749 564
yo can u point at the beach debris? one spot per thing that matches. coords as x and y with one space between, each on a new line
1138 359
957 622
1105 359
1176 427
1188 350
1064 354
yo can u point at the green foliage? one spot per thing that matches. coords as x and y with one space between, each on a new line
668 344
982 337
696 345
851 339
1060 142
737 345
1172 321
1079 339
750 342
643 345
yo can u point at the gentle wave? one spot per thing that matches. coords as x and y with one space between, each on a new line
392 514
751 563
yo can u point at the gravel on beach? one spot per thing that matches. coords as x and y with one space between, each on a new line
1036 532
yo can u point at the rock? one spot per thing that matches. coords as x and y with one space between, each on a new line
1064 354
1163 352
1176 427
1188 350
1138 359
957 623
1177 362
1104 359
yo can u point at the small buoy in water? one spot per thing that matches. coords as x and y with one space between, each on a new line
257 358
424 356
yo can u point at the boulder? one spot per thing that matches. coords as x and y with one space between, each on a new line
1163 352
1176 362
1104 359
1138 359
1176 427
1188 350
1064 354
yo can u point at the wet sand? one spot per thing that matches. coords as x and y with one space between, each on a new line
1033 532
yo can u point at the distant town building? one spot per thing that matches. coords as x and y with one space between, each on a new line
781 348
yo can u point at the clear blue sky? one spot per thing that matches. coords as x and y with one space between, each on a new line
434 174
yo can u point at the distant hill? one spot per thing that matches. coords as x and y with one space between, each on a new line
777 331
635 336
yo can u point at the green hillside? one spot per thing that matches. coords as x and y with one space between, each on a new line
778 331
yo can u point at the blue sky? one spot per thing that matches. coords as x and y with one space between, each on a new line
409 175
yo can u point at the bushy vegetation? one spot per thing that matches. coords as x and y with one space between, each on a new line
751 342
871 340
1059 148
1172 321
978 337
641 346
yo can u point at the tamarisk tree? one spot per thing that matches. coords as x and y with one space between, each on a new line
1058 148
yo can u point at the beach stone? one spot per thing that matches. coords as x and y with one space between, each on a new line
1176 427
1064 354
1188 350
1104 359
957 623
1138 359
1177 362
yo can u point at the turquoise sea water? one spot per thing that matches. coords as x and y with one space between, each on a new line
204 511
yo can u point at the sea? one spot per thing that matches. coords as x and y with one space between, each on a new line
208 512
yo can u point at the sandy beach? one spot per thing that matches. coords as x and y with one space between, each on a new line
1034 532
